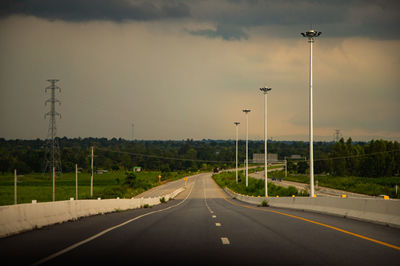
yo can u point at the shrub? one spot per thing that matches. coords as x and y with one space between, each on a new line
130 179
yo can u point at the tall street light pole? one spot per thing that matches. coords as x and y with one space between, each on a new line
237 138
247 111
311 35
265 91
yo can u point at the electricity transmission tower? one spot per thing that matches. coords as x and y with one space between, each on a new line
133 127
338 135
52 149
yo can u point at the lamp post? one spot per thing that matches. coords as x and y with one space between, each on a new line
311 35
247 111
91 178
265 91
237 126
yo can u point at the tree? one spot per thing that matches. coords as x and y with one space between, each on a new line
338 161
302 167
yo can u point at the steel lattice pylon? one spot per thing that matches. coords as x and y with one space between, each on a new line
52 149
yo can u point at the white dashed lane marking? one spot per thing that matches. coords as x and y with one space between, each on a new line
214 216
225 241
217 224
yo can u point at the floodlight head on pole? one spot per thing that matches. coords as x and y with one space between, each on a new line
265 90
236 123
246 111
311 34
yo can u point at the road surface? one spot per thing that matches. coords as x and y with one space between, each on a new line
203 226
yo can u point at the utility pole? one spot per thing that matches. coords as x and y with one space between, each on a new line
247 111
285 167
91 179
15 186
52 151
311 35
76 181
237 139
54 184
133 127
265 91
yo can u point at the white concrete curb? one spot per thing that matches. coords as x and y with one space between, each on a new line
386 212
23 217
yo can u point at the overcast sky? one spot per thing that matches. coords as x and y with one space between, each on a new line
186 69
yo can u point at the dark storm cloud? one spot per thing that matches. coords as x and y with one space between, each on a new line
343 18
87 10
233 18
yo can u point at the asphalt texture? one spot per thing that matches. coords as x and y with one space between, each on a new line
203 226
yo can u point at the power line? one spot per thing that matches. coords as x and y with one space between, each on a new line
354 156
211 161
164 157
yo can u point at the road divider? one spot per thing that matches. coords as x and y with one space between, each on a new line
386 212
23 217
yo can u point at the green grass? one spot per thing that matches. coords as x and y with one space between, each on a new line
108 185
373 186
261 168
255 188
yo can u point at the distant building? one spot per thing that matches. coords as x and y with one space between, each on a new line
137 169
259 157
101 171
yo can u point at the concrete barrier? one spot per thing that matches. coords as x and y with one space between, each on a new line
23 217
381 211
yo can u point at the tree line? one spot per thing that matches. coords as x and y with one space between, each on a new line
113 154
377 158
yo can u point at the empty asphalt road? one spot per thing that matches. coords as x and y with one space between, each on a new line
204 226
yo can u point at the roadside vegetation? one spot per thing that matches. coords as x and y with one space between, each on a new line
256 186
371 168
373 186
107 185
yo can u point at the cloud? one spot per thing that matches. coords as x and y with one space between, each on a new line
376 19
88 10
226 32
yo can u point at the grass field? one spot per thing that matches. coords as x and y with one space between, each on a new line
255 188
107 185
373 186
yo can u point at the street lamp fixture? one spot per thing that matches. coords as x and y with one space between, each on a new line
247 111
237 139
265 91
311 35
